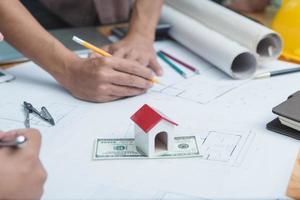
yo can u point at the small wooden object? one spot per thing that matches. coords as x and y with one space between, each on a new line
294 185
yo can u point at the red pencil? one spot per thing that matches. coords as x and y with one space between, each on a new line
193 69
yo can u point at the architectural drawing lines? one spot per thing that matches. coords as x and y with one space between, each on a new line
224 147
198 89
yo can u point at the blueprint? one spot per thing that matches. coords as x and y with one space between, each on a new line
241 159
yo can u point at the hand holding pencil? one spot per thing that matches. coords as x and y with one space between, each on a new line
105 78
101 52
138 48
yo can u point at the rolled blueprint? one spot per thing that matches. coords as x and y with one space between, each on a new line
229 56
254 36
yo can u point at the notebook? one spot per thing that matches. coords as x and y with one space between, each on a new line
288 120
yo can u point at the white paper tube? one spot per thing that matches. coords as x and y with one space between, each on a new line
227 55
254 36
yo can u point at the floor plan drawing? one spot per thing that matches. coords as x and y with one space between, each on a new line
225 147
198 89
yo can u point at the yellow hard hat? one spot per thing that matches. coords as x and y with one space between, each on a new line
287 24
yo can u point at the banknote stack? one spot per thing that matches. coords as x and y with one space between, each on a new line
114 149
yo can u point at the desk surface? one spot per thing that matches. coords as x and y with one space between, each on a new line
293 190
237 151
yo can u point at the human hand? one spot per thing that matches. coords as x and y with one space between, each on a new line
1 37
104 79
137 48
22 174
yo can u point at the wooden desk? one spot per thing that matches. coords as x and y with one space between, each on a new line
294 185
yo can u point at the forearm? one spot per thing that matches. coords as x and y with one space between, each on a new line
145 16
25 34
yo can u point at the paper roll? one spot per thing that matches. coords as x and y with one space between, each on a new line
229 56
254 36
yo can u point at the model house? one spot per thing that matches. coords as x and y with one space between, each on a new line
154 132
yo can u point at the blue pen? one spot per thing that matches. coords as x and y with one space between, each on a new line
177 69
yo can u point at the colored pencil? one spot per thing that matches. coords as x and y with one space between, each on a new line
277 73
101 52
193 69
173 66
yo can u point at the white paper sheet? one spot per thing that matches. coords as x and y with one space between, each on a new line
243 159
255 37
229 56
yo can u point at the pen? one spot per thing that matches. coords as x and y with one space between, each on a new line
100 51
18 142
277 73
193 69
173 66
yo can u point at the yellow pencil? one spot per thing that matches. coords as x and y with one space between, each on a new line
91 47
100 51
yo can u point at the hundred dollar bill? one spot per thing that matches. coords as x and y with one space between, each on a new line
108 149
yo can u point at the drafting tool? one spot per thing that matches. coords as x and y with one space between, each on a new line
173 66
193 69
277 73
19 141
43 114
100 52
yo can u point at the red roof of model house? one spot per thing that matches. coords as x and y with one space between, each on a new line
146 118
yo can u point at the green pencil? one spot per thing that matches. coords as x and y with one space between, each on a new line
177 69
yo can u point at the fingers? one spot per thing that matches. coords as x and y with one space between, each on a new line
108 98
33 143
94 55
132 55
2 135
129 80
92 79
1 37
124 91
134 68
31 149
107 49
8 136
120 53
145 60
155 66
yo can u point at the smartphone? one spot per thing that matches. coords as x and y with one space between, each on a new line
5 77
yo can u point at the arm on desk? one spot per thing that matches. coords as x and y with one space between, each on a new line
94 79
138 44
